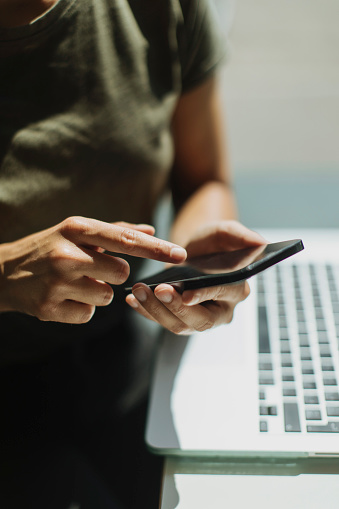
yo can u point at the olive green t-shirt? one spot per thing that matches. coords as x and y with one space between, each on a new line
87 94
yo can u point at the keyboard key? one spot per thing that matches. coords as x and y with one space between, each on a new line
298 294
309 385
265 366
286 361
302 327
301 315
311 400
288 378
319 313
285 347
332 396
329 381
264 380
325 351
307 371
282 321
291 417
268 410
264 340
299 304
305 354
282 310
304 340
315 291
289 391
321 325
331 427
332 411
327 367
317 302
263 427
284 334
322 337
313 415
281 299
262 395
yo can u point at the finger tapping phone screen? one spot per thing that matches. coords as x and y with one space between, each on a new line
224 267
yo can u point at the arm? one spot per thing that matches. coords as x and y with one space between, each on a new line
201 179
205 219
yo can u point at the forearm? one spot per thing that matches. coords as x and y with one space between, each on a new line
213 201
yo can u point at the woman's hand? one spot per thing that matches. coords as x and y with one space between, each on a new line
198 310
62 273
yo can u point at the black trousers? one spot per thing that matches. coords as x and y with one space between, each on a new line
72 428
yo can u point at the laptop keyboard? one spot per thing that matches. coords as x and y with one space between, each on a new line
298 320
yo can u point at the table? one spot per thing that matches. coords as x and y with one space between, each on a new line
220 484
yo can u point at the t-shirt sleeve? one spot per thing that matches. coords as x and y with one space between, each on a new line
201 43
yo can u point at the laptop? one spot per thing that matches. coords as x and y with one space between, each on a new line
266 385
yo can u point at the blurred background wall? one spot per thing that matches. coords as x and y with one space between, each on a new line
281 95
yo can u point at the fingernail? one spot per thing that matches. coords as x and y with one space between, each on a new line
133 303
191 301
178 253
140 294
164 296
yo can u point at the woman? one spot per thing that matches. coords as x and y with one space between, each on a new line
105 105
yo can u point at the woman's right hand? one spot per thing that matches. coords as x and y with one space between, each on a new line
61 274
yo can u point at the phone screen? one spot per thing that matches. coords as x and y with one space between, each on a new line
224 267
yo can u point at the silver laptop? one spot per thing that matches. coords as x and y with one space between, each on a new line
266 385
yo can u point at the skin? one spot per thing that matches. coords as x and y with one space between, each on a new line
206 217
62 273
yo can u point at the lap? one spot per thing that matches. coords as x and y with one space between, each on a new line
73 428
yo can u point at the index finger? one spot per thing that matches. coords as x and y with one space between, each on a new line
121 239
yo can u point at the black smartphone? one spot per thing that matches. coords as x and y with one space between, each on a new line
225 267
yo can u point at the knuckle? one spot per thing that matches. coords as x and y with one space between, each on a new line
46 310
181 310
157 249
222 235
128 239
219 293
61 258
73 224
204 325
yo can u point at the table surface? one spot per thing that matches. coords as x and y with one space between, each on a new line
202 484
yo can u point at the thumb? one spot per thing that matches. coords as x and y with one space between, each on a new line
223 236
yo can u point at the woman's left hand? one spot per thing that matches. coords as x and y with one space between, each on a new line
202 309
